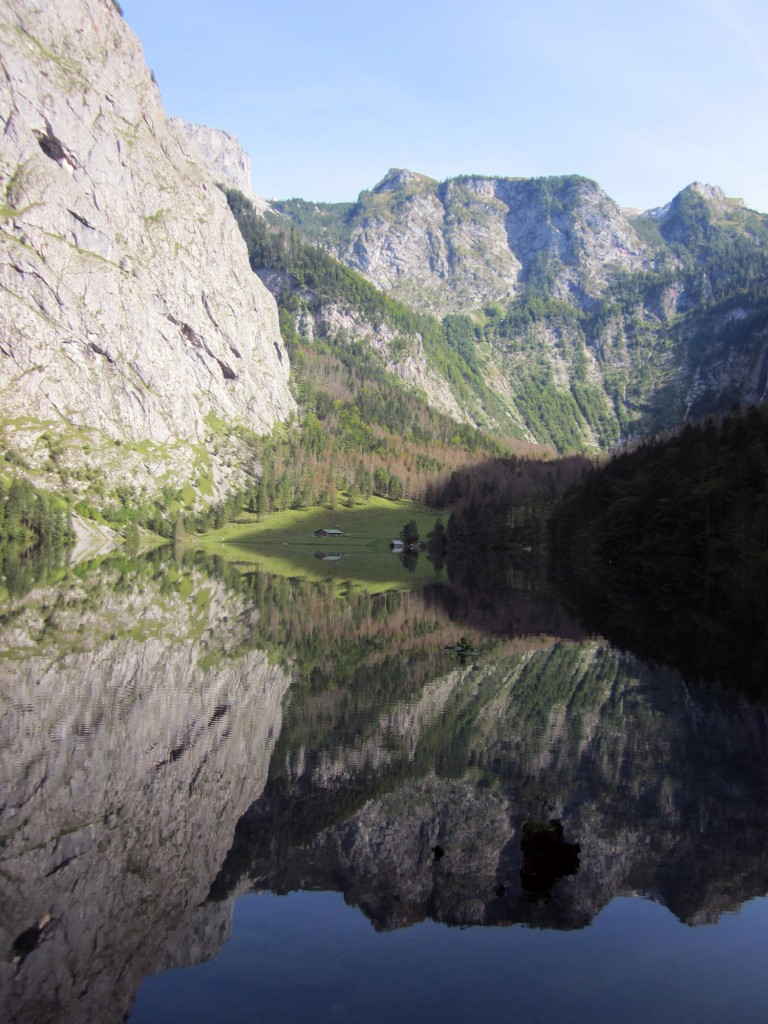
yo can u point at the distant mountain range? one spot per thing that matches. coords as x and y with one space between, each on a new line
592 323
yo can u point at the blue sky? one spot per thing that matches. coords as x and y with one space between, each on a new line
326 96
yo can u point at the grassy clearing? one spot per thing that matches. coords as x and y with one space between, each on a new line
284 544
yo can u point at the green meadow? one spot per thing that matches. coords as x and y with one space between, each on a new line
284 544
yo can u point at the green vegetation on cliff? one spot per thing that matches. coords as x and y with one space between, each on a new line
602 327
310 268
35 532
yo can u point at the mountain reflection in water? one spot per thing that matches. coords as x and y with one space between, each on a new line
176 735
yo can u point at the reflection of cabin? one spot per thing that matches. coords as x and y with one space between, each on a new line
333 532
395 545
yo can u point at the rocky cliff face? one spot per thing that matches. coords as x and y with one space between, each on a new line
454 246
592 323
129 311
405 358
220 154
133 736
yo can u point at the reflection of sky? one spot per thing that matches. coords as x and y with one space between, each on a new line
309 957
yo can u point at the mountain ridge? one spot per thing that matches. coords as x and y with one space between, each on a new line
660 314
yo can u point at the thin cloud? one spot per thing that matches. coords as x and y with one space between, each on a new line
740 21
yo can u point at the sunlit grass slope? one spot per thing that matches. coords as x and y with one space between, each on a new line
284 543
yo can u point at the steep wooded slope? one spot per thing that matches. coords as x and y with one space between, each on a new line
599 323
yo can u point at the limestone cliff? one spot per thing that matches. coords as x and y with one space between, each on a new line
220 154
592 324
453 246
129 311
403 356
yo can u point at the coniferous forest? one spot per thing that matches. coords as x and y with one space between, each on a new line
666 548
35 532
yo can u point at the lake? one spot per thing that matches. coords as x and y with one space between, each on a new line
228 795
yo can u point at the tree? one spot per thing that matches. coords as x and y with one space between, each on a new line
409 534
437 544
410 559
381 481
395 487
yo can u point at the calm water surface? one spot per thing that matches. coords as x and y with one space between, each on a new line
308 952
228 796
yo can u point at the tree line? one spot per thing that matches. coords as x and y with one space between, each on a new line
665 548
35 532
691 505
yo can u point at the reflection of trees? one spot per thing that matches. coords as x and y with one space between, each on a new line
437 545
35 535
24 569
410 559
719 637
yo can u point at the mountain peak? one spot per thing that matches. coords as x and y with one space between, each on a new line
400 178
711 192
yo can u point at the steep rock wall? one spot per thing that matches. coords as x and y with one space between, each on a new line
220 154
455 245
128 304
